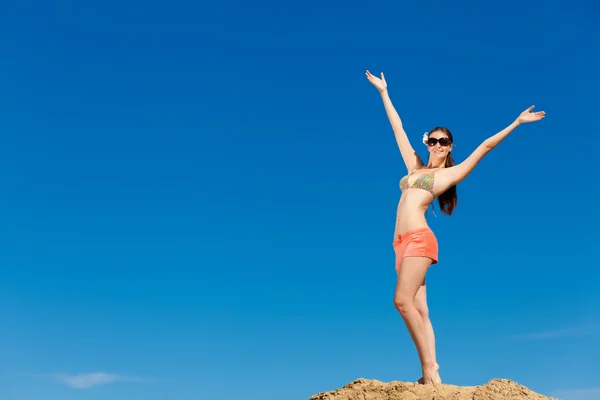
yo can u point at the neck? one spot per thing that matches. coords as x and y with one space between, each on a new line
436 163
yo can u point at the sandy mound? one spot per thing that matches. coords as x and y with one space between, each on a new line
368 389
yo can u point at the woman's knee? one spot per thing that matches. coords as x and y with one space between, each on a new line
403 304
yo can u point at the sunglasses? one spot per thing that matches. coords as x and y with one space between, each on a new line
443 141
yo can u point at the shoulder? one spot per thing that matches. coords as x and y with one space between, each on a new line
448 176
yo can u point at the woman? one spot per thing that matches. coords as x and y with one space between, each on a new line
414 243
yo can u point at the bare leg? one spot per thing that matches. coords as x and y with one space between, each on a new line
421 306
411 275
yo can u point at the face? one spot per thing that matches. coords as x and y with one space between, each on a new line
439 145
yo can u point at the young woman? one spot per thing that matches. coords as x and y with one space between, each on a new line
414 243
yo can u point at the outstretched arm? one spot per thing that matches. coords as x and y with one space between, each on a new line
406 150
459 172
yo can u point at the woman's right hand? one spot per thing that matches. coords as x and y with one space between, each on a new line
380 84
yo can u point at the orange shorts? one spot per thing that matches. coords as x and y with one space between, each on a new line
416 243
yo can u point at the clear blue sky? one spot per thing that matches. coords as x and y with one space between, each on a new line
198 200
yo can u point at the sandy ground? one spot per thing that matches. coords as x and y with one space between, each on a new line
368 389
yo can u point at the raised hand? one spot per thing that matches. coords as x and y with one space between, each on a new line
528 116
380 84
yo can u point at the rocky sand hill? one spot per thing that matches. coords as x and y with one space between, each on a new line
368 389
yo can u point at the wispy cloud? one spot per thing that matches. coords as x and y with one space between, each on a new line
86 381
558 333
578 394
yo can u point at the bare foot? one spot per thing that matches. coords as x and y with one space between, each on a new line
436 376
429 375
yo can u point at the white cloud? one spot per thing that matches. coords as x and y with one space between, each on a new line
578 394
85 381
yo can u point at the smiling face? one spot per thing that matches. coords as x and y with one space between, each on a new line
439 144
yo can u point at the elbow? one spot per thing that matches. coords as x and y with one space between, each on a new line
488 145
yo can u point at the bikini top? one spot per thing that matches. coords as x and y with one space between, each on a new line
425 182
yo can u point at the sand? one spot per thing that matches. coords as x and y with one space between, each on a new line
369 389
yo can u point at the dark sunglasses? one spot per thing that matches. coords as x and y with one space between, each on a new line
443 141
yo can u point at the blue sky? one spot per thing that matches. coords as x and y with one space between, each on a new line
199 199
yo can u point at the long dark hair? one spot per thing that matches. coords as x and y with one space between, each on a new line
448 199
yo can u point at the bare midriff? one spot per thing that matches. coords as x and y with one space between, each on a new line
410 214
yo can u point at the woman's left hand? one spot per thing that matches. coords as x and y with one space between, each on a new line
528 116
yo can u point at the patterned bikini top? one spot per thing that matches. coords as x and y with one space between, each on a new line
425 182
